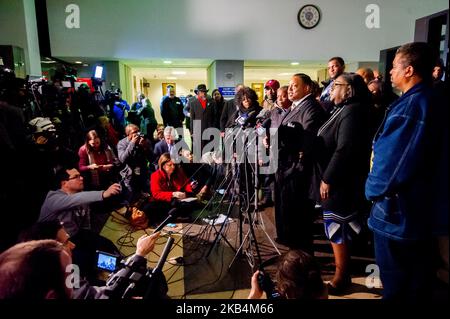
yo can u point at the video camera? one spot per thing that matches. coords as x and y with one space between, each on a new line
134 279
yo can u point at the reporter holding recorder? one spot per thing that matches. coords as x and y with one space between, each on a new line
169 185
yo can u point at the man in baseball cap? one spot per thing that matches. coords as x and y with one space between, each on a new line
270 94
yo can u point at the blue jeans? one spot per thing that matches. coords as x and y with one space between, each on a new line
406 268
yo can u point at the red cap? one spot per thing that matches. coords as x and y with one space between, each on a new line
274 84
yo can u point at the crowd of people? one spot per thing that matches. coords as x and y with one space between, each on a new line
363 155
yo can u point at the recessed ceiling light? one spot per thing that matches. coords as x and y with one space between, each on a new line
167 62
171 78
85 64
295 63
178 72
78 62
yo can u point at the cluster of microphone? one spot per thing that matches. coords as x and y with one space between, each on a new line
263 122
259 120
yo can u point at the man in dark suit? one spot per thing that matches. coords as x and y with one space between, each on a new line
294 211
229 112
203 115
167 145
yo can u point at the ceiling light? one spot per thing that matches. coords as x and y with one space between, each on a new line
85 64
167 62
78 62
178 72
171 78
295 63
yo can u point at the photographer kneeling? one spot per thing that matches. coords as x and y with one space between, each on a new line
297 277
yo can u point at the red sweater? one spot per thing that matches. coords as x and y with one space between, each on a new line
162 188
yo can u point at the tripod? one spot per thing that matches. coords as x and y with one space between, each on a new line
253 217
242 189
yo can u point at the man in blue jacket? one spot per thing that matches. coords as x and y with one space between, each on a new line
402 183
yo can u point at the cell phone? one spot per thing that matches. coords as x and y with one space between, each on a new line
107 262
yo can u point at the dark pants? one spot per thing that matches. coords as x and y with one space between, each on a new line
267 182
406 268
294 211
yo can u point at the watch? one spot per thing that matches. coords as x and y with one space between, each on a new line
308 16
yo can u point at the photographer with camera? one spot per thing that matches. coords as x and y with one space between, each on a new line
135 152
297 277
55 230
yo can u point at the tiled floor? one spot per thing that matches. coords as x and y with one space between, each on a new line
204 276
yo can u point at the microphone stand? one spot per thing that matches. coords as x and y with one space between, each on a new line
251 221
171 214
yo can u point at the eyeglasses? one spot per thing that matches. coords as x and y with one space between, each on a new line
169 164
78 176
338 84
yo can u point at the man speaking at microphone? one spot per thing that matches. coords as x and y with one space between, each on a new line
273 119
294 211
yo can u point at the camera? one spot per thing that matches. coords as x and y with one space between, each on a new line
107 262
267 285
140 134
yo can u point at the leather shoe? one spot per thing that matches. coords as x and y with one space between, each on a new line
339 288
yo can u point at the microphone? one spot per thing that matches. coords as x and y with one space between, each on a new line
243 119
171 214
263 114
156 276
262 128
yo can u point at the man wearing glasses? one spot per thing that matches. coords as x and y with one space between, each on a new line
70 205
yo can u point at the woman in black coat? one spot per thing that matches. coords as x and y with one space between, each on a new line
342 164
